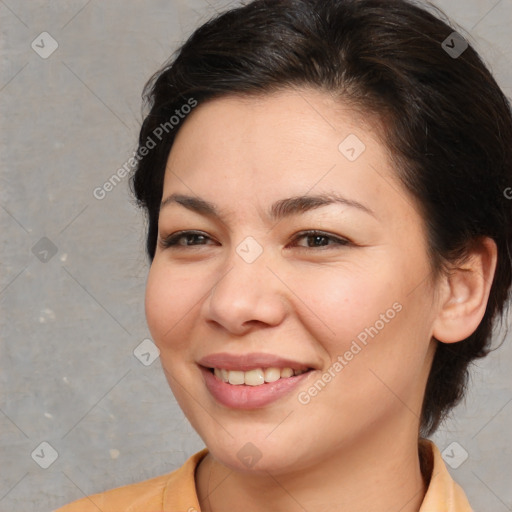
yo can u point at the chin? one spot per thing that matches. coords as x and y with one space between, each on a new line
259 456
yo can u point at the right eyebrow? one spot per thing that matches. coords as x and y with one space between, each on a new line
280 209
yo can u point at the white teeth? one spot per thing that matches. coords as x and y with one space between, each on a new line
286 372
236 377
256 376
272 374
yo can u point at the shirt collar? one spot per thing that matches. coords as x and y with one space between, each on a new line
443 493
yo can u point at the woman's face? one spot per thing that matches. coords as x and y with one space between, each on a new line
355 303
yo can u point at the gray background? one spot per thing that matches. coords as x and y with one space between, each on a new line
72 320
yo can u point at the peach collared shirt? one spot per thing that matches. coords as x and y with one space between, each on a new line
176 491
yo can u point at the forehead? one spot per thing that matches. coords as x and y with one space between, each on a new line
306 114
238 150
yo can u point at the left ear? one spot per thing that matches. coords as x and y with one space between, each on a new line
464 293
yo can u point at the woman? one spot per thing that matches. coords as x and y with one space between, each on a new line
329 238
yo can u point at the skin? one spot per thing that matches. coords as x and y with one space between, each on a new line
353 447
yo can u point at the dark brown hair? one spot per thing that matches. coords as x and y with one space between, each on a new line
448 124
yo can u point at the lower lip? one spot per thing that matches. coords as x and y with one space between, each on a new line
250 397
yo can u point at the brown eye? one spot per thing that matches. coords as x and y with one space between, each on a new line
316 238
189 237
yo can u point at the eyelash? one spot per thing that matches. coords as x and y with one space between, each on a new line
171 241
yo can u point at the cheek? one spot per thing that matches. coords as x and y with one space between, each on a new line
170 298
342 303
368 320
380 342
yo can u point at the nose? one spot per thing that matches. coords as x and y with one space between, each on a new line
248 296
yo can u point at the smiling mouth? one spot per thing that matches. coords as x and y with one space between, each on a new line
256 376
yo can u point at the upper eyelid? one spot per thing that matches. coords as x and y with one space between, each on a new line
300 234
317 232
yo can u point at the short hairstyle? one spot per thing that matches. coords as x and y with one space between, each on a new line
448 125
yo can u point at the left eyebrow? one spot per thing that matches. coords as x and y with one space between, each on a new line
282 208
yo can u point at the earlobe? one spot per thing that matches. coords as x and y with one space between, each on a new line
466 289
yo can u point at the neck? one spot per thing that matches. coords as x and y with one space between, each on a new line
379 473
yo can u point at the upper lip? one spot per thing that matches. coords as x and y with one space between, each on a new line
246 362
